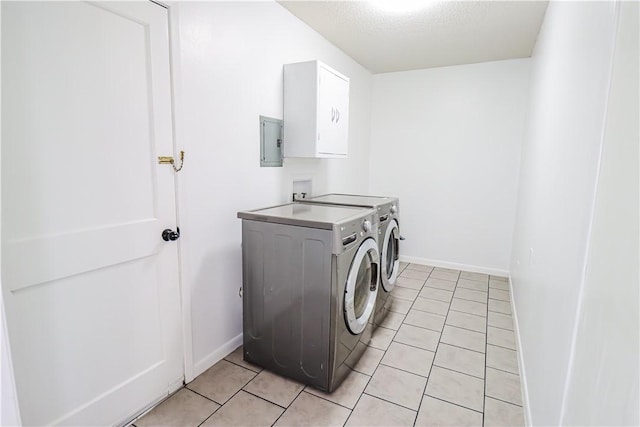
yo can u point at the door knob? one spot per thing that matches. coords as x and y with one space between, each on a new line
169 234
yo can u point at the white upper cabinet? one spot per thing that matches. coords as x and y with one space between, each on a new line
316 111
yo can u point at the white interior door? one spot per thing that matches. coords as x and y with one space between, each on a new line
91 289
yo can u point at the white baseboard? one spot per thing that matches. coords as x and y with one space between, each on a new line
215 356
455 266
523 376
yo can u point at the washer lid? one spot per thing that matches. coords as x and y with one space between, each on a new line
307 214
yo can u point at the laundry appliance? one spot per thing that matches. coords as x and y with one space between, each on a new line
310 281
388 217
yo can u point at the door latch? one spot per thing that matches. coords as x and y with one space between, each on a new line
169 234
169 160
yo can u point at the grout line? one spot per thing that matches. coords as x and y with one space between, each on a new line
498 327
331 401
504 401
502 370
459 372
462 327
501 314
501 346
205 420
438 300
476 302
502 287
249 369
466 312
444 280
393 403
437 289
202 395
505 348
474 289
467 299
486 343
453 403
422 327
404 370
467 279
430 312
427 312
499 300
463 348
267 400
410 345
474 283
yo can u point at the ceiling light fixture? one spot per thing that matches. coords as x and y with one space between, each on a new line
402 6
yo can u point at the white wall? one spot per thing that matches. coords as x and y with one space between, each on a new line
447 142
569 86
603 383
229 72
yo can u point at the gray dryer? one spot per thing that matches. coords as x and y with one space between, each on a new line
310 281
388 218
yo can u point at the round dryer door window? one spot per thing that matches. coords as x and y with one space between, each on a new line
361 287
391 262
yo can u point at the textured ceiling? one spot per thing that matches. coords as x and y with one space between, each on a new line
442 33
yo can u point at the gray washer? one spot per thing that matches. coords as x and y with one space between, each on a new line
388 218
310 281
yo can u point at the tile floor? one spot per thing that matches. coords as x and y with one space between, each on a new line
444 356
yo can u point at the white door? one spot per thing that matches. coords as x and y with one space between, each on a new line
91 289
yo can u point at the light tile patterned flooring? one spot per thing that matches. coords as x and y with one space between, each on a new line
445 356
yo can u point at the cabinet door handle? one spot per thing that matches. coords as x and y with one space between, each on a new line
333 114
337 115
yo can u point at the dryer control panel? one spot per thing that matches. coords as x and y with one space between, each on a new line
349 234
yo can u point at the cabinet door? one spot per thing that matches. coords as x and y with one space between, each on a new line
333 113
341 133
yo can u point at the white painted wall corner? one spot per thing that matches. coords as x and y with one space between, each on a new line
217 355
523 376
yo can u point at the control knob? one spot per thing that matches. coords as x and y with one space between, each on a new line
394 209
366 225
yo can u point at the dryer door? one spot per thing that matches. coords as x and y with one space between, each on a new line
362 286
390 262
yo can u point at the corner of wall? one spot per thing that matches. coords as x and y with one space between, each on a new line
526 408
214 357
